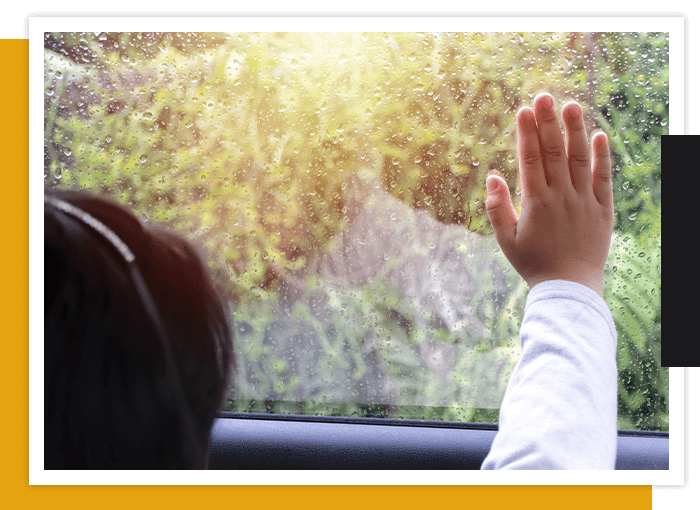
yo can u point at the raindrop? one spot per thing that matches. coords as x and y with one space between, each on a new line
143 158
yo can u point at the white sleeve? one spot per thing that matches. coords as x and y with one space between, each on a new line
560 407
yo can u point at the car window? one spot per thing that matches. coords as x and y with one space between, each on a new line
336 184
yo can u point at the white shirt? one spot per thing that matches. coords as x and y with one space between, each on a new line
560 407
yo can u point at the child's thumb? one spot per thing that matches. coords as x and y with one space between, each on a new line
500 209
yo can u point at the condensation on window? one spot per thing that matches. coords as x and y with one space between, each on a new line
337 183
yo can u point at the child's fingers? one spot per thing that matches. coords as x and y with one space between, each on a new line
577 147
551 141
532 175
500 210
602 172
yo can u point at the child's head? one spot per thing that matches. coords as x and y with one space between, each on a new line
137 346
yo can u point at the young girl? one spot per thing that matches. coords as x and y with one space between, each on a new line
137 346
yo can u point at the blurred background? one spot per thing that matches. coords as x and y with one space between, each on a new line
336 184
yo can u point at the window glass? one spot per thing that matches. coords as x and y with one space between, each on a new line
336 182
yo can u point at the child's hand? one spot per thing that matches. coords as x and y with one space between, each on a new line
564 229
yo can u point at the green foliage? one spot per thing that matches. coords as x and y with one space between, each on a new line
366 338
252 144
633 292
632 106
448 115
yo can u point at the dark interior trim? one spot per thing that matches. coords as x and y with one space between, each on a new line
269 441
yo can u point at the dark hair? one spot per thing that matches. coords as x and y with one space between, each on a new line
136 349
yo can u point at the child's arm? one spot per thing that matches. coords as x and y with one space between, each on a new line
560 407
